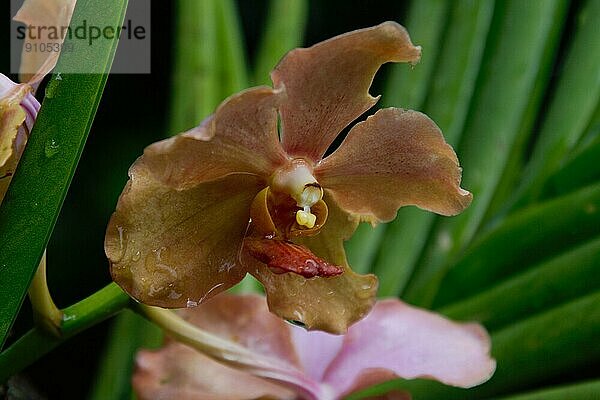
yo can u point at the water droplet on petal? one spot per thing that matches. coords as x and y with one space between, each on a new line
136 256
190 303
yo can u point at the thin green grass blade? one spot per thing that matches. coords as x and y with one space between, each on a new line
561 279
38 189
581 169
284 30
447 103
406 87
528 353
580 391
362 248
232 60
195 91
516 54
523 239
571 109
129 333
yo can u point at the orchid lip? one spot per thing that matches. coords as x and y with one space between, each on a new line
297 180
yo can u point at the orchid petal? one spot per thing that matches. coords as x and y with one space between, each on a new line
327 85
48 14
245 320
179 372
173 248
329 304
18 110
241 137
316 350
393 159
408 342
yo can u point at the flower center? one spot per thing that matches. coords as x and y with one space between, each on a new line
297 181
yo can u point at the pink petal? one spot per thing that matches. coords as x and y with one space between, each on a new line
241 137
316 350
179 372
327 85
408 342
176 371
245 320
393 159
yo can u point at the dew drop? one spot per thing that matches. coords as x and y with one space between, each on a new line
191 303
51 148
136 256
52 88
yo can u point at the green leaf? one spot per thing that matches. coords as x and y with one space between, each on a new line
552 283
579 391
232 61
196 91
581 168
451 89
362 247
407 86
521 240
129 333
284 31
38 189
521 33
571 109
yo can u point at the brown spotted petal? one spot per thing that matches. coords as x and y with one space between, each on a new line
241 137
393 159
179 372
327 85
330 304
175 248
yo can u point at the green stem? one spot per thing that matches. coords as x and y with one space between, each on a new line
47 315
76 318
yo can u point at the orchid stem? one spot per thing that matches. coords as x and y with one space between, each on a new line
47 316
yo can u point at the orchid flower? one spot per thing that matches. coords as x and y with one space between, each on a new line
394 340
18 111
229 197
18 106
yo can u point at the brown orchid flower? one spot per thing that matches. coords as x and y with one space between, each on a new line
227 198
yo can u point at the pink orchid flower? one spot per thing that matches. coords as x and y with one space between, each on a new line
229 197
394 340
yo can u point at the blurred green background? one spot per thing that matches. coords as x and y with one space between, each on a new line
514 85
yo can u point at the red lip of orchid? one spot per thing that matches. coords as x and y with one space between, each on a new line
177 235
